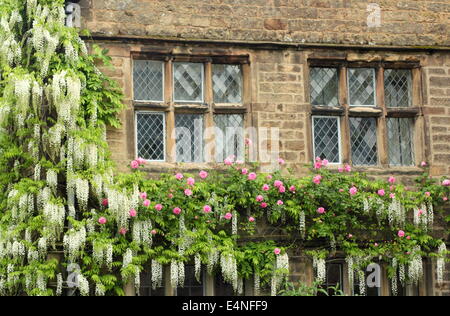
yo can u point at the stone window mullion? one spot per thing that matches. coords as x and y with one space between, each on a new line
345 124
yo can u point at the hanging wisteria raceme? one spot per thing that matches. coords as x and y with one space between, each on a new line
440 263
319 266
198 267
157 275
213 259
141 232
281 267
351 270
74 242
229 269
415 267
362 282
59 284
394 279
83 285
174 275
302 224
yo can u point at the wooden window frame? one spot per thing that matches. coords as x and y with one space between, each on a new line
207 108
380 111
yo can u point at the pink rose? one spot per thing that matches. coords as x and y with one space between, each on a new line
281 161
263 205
266 187
154 232
158 207
427 194
445 199
207 209
123 231
341 190
321 210
392 195
269 177
228 161
190 181
170 196
187 192
278 183
146 203
423 164
318 159
259 198
391 180
143 195
325 162
420 213
340 169
239 162
401 233
134 164
282 189
105 202
277 251
102 221
248 142
381 192
446 183
244 171
408 237
203 174
252 176
292 189
348 168
133 213
353 190
350 236
317 179
318 165
179 176
141 161
251 219
177 211
280 202
376 244
228 216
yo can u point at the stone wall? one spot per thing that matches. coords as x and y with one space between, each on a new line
403 23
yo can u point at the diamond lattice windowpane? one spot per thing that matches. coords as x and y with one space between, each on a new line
361 83
229 136
151 136
400 132
188 82
189 137
324 86
227 83
363 133
398 87
148 80
327 138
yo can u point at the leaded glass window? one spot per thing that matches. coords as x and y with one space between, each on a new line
229 136
192 286
188 82
227 83
189 137
150 132
398 87
361 86
148 80
326 134
324 86
363 134
400 141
